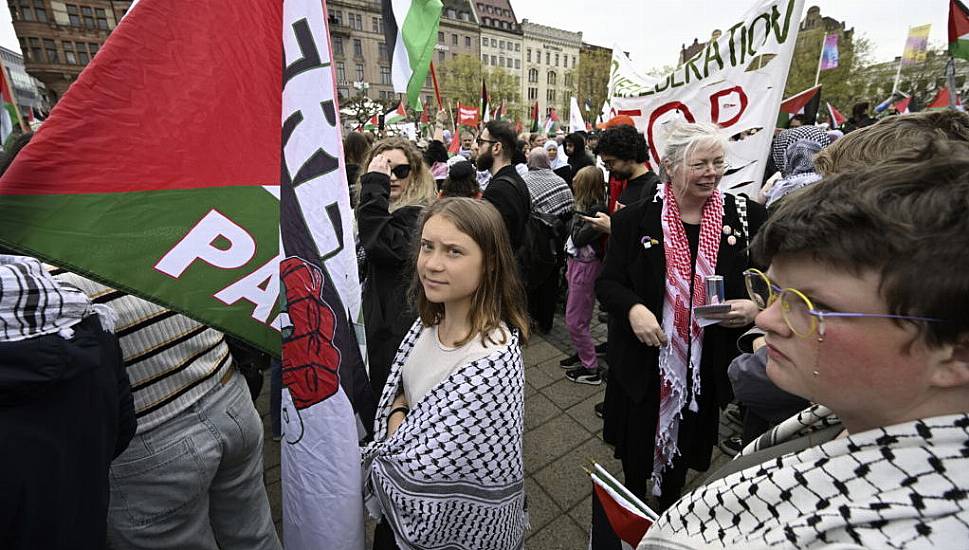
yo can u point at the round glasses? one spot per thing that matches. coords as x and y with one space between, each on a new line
799 312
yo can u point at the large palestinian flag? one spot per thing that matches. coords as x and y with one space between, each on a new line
958 29
410 29
158 171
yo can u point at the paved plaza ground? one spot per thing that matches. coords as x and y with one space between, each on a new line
562 434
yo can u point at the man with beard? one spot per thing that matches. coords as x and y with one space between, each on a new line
506 190
623 152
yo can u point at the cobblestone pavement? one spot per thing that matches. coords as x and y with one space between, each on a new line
562 434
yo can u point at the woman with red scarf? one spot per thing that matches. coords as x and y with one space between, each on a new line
668 373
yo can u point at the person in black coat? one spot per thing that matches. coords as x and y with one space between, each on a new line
506 191
393 192
579 157
634 288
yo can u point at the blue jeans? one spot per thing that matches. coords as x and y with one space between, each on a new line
196 481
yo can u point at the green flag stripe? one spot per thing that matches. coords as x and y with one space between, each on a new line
419 33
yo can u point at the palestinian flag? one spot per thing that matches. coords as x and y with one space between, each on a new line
958 29
805 103
372 124
10 115
619 518
410 31
837 119
941 100
396 115
178 206
534 117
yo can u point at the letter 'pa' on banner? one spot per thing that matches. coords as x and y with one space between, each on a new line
736 82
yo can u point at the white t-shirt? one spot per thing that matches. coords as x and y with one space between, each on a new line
430 361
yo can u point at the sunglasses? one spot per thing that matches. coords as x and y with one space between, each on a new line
800 314
401 171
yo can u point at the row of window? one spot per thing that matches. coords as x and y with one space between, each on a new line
497 23
454 39
37 50
28 10
341 73
501 44
87 17
338 48
550 78
549 95
485 8
355 21
501 61
548 58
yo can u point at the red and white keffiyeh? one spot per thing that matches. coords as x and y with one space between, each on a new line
681 356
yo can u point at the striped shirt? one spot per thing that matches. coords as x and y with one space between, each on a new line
172 361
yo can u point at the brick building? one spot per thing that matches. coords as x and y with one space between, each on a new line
58 39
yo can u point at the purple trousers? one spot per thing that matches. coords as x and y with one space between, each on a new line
581 277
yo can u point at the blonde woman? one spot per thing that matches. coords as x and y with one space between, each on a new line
396 187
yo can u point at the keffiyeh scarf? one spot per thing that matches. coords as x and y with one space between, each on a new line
452 475
34 304
681 357
904 486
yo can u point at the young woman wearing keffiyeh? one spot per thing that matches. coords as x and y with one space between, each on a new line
445 469
866 313
668 374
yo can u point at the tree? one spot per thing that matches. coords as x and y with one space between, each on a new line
593 80
460 80
840 86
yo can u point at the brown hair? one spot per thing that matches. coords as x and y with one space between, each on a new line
500 296
421 191
904 218
589 187
862 147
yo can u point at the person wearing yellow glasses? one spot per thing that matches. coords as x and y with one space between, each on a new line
865 309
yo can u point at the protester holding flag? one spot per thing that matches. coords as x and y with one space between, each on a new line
668 373
395 188
445 468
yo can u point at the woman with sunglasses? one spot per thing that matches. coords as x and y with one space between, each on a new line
396 187
866 314
668 374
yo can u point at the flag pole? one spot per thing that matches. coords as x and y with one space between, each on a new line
437 90
898 73
817 75
950 80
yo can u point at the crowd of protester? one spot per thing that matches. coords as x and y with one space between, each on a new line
840 329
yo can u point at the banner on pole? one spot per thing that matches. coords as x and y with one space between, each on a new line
917 44
829 55
736 83
624 79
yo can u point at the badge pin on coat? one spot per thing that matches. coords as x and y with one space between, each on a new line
648 242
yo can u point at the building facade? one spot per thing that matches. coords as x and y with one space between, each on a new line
26 89
501 37
58 39
551 67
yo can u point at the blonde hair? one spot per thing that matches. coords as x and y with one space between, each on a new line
589 187
682 139
500 295
421 191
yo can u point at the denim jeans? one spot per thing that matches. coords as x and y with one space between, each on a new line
196 481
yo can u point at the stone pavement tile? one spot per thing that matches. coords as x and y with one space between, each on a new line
529 391
581 513
537 378
275 492
584 412
566 393
542 510
561 534
538 410
270 453
539 350
551 440
566 481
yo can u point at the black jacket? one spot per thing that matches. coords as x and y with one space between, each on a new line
509 194
584 233
580 158
65 412
388 238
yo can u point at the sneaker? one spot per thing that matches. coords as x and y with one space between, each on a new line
569 361
731 446
598 408
582 375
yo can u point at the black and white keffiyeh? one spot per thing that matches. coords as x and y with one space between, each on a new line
33 303
904 486
452 474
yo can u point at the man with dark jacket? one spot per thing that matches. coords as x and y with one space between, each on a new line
623 152
506 190
65 411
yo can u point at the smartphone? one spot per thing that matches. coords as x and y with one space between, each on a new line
586 214
714 309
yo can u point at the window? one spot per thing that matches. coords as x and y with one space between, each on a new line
501 61
532 94
494 43
440 57
533 75
338 45
573 61
341 72
494 60
102 19
556 60
451 14
359 72
382 52
82 56
87 15
40 12
37 52
385 74
93 48
356 21
551 78
568 80
467 41
528 54
74 15
377 24
518 46
548 58
337 17
51 48
440 37
357 48
550 96
484 41
518 64
24 48
484 59
501 44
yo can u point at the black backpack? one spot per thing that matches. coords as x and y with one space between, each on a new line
542 247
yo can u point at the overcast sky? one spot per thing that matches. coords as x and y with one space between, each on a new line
653 30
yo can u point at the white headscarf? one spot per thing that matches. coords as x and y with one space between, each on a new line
559 159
